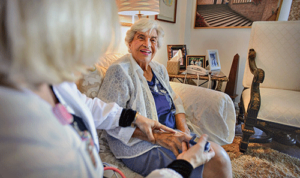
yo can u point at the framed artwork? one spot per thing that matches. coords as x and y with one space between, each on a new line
167 11
173 49
196 60
234 13
213 59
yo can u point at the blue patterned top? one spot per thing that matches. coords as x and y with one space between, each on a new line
164 104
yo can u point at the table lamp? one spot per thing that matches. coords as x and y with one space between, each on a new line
138 7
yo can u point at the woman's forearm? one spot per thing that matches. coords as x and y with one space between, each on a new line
181 123
140 135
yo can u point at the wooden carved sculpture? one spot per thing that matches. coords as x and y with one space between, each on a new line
255 100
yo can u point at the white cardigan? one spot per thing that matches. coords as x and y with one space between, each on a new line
125 84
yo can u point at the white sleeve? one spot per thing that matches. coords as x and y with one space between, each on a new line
164 173
106 115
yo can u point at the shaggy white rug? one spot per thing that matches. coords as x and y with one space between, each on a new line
261 161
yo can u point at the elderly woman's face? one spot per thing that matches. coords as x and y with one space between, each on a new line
143 46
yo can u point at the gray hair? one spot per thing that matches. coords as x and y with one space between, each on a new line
48 41
144 25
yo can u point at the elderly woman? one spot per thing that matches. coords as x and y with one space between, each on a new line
48 128
137 82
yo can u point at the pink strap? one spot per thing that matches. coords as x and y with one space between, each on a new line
61 113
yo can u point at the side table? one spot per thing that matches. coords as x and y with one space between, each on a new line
217 76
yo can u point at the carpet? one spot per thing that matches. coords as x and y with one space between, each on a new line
261 161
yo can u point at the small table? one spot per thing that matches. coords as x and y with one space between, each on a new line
217 76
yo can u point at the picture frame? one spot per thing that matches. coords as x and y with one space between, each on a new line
173 49
196 60
234 13
213 59
167 11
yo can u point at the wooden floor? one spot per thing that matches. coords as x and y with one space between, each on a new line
290 150
222 15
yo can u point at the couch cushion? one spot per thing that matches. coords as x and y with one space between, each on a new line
105 61
90 83
208 111
278 106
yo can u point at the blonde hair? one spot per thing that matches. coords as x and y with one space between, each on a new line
144 25
47 41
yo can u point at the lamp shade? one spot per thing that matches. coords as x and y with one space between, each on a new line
133 7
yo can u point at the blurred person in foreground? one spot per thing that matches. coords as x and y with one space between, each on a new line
48 128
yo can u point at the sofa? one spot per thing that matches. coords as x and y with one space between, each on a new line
211 111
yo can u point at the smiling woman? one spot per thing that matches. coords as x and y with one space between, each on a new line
143 48
136 81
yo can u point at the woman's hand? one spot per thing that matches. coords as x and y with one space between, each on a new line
196 154
172 141
147 126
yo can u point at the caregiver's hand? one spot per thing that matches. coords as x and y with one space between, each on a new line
196 154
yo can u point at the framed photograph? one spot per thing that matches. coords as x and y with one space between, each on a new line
173 49
196 60
167 11
234 13
213 59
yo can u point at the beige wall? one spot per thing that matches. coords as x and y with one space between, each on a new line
227 41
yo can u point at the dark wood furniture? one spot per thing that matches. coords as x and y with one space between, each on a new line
231 84
217 76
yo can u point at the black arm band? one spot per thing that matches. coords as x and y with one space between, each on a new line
182 167
127 117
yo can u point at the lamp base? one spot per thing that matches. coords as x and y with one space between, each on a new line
139 16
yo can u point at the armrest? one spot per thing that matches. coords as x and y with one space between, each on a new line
208 111
255 99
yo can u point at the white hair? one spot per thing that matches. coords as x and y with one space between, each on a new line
48 41
144 25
